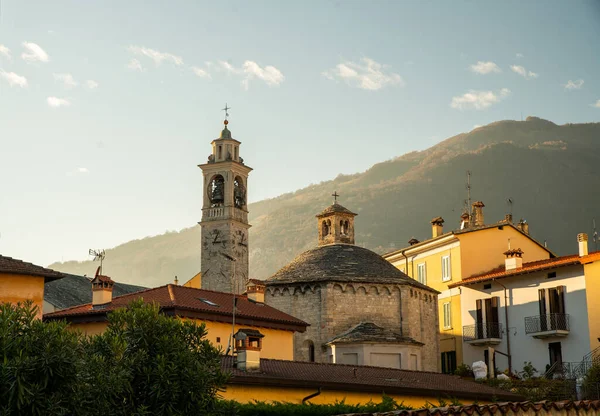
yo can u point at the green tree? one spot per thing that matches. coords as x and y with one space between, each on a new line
38 363
148 363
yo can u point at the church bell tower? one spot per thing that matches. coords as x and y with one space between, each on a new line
224 222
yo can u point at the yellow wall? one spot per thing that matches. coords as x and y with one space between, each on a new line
484 250
592 291
19 288
195 282
246 394
433 266
451 339
277 344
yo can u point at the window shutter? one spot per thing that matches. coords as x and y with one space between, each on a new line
479 306
495 303
542 301
561 299
444 358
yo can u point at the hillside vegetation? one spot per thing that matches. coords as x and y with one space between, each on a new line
551 173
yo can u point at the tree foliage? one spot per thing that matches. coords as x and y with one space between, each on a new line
145 363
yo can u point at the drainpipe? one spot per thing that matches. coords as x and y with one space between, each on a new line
310 396
406 260
507 327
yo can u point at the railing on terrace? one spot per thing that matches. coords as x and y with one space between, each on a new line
568 370
548 322
482 330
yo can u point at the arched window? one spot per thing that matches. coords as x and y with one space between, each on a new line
346 227
216 191
239 192
309 347
325 229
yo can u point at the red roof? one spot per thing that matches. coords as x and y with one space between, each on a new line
193 303
13 266
533 266
280 373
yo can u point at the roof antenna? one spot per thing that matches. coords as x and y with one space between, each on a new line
595 237
468 186
99 255
510 201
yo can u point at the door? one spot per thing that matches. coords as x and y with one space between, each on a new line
479 320
491 317
557 307
555 350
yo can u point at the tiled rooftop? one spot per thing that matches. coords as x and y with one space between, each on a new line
192 302
369 332
362 378
9 265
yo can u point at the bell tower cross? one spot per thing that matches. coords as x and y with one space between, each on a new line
224 225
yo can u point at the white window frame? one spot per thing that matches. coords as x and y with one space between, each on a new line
446 269
447 307
422 277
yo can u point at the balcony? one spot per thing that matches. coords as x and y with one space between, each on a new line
547 326
224 213
483 333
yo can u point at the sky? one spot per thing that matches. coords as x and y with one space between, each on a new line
107 107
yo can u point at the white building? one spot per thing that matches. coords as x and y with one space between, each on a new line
547 319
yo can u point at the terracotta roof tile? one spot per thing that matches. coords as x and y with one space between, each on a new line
362 378
181 298
512 408
14 266
530 267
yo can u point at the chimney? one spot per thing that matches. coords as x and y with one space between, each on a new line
477 217
102 287
508 218
256 291
248 343
514 259
523 225
437 227
464 220
582 240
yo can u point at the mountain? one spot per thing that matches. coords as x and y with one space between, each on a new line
550 172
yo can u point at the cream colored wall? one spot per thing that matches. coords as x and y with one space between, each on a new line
451 338
277 344
247 394
483 250
365 353
20 288
592 286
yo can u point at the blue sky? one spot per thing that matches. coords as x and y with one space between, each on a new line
106 107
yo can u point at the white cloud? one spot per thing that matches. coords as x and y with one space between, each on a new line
519 55
485 67
55 102
202 73
366 74
13 79
596 104
91 84
574 85
269 74
135 65
156 56
33 52
4 51
83 170
478 100
66 79
518 69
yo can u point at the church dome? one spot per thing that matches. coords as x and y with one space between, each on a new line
335 208
340 263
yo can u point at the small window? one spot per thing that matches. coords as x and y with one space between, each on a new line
208 302
220 154
422 273
551 275
487 286
446 272
218 339
447 315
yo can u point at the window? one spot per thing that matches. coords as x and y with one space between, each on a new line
446 273
208 302
447 315
487 322
422 273
551 275
448 362
487 286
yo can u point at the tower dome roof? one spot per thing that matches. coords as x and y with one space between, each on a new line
335 208
340 263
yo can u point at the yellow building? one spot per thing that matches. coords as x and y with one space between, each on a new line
20 281
215 309
449 257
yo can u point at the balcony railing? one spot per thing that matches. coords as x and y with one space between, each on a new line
552 324
483 333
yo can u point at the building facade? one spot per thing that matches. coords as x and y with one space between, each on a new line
538 312
338 286
224 224
449 257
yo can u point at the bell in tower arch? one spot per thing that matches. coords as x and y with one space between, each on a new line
216 191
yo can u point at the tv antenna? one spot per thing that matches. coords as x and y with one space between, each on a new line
99 255
468 187
510 202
